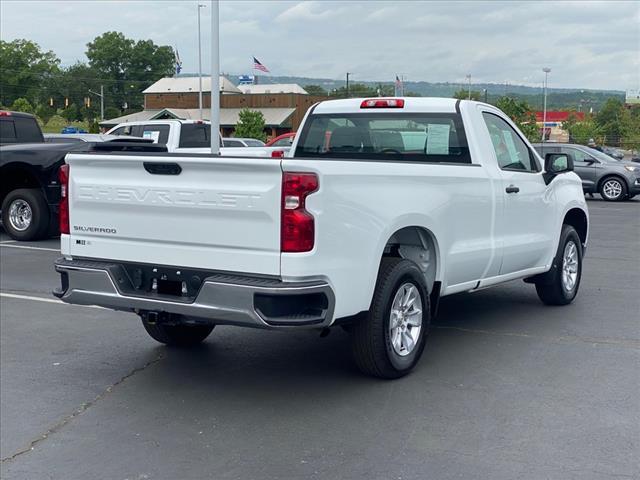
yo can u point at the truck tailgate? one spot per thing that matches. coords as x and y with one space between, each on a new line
216 213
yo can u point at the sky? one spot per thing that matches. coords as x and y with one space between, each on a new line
589 44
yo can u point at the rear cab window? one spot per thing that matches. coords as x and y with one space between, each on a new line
412 137
157 133
195 135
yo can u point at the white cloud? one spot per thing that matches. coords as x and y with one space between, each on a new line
587 44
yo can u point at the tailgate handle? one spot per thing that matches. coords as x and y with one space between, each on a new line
162 168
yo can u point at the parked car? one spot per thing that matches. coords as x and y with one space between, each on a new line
188 136
242 142
70 129
613 152
387 205
18 127
30 191
613 179
284 140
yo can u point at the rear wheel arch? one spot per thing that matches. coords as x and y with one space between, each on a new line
15 176
577 218
419 245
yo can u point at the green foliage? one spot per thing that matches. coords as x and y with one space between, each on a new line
57 123
614 122
26 69
71 113
464 95
584 132
44 112
111 112
522 115
129 66
250 125
22 105
315 90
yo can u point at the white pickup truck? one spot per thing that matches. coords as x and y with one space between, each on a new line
190 136
386 205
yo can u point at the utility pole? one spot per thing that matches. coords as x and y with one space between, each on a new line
199 63
546 71
348 84
485 96
215 77
469 80
101 95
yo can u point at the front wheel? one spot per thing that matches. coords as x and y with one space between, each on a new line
560 285
613 189
179 335
388 341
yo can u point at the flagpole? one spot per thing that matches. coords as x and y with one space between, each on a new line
215 77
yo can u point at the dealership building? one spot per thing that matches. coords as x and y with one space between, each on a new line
282 105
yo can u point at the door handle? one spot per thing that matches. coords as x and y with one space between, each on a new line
512 189
162 168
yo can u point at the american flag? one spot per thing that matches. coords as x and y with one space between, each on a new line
258 66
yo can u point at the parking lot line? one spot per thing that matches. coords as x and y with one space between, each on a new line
41 299
3 244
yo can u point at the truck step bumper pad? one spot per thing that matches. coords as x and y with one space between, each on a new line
222 299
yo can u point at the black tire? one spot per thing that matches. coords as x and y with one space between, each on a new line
550 287
371 340
178 335
622 187
40 217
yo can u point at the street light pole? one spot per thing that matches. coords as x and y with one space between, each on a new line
101 95
199 63
215 77
469 79
348 84
546 71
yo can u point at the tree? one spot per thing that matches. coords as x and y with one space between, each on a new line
128 67
26 71
22 105
464 95
71 113
315 90
614 121
522 115
44 112
250 125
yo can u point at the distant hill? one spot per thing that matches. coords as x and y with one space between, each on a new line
557 98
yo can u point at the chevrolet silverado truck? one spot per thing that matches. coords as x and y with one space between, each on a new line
387 205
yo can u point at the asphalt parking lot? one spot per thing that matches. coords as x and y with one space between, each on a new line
507 388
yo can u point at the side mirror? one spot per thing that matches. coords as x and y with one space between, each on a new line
555 164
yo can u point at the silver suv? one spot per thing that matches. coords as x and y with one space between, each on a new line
614 179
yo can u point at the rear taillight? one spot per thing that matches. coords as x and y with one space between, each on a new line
63 209
297 227
277 154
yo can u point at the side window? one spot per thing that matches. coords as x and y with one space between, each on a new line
232 143
578 155
7 131
158 133
126 130
511 151
28 130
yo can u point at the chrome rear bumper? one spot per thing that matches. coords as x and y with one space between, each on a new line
221 298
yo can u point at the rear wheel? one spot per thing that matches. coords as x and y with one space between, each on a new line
388 341
613 189
560 285
179 335
25 214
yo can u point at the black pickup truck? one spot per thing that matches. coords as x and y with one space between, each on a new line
29 188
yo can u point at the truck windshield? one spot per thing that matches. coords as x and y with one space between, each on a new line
419 137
